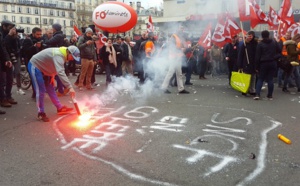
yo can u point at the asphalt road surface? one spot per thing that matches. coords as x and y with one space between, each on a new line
137 135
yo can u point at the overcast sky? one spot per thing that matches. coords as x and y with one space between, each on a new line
146 3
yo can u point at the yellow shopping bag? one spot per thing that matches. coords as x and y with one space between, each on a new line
240 81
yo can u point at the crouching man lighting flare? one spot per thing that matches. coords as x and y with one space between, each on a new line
43 67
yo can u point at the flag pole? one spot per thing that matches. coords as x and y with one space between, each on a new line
247 57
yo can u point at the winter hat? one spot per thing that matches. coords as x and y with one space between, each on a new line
88 30
75 52
56 26
7 22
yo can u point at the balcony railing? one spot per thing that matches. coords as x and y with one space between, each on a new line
37 4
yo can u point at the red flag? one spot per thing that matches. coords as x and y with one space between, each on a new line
259 17
294 29
231 27
244 10
150 27
286 12
282 29
221 35
77 32
205 39
273 19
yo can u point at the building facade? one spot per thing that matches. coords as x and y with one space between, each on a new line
28 14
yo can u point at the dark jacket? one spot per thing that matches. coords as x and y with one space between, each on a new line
267 50
28 48
291 47
3 52
231 51
136 49
104 55
56 41
125 54
119 51
242 58
86 51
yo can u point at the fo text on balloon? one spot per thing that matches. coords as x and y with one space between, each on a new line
103 14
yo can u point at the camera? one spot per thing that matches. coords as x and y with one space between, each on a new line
20 30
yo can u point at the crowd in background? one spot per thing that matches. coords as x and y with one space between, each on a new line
121 57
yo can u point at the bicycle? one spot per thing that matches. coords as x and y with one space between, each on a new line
25 78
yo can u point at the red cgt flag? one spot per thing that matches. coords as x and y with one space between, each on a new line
273 19
221 35
205 39
77 32
259 17
225 30
286 12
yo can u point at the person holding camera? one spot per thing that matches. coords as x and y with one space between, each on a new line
11 43
31 46
88 57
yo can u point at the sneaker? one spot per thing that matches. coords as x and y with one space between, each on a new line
5 103
64 110
21 92
294 63
270 98
256 98
12 101
184 92
2 112
167 92
59 94
42 116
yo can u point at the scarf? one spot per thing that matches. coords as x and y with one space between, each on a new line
112 57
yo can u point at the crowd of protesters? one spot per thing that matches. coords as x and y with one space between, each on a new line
262 59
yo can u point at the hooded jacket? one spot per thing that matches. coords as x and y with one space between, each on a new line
292 53
267 50
57 40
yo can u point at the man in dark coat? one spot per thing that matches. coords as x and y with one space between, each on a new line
265 64
231 55
246 61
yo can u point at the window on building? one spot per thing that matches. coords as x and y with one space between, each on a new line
36 11
27 30
71 14
51 12
58 14
5 17
28 20
5 8
37 20
70 5
45 12
21 19
63 13
64 23
71 23
13 8
13 19
44 21
51 21
20 9
90 2
28 10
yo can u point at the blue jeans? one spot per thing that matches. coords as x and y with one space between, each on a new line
295 71
267 71
41 88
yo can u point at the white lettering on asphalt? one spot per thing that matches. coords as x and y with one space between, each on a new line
138 114
201 154
165 124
